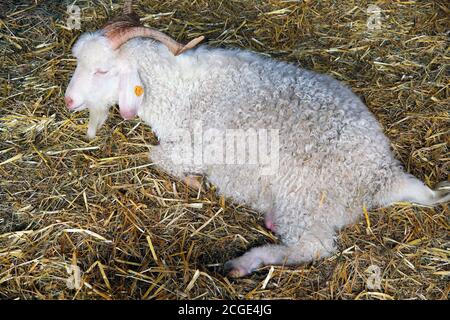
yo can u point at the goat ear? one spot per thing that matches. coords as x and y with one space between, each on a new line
131 93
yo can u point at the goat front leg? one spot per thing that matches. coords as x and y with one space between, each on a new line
161 157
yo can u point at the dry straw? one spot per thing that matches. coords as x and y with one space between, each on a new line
137 233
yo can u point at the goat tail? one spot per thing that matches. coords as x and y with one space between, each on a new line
410 189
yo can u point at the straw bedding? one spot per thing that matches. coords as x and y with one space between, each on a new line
137 233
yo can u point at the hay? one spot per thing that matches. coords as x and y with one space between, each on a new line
136 233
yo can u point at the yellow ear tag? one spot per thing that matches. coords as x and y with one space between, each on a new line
138 91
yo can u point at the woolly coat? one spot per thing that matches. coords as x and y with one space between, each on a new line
333 157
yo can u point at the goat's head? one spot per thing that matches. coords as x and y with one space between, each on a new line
103 77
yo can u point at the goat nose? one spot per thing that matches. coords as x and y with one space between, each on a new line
68 101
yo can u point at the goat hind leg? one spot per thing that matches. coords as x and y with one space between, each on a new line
255 258
317 242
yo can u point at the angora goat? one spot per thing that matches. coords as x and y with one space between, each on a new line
328 160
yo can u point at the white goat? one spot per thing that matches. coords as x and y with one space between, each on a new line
333 158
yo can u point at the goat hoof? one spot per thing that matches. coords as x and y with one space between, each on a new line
194 182
234 270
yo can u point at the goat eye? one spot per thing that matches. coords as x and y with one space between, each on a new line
100 72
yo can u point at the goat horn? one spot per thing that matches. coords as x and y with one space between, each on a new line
127 26
119 36
127 7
